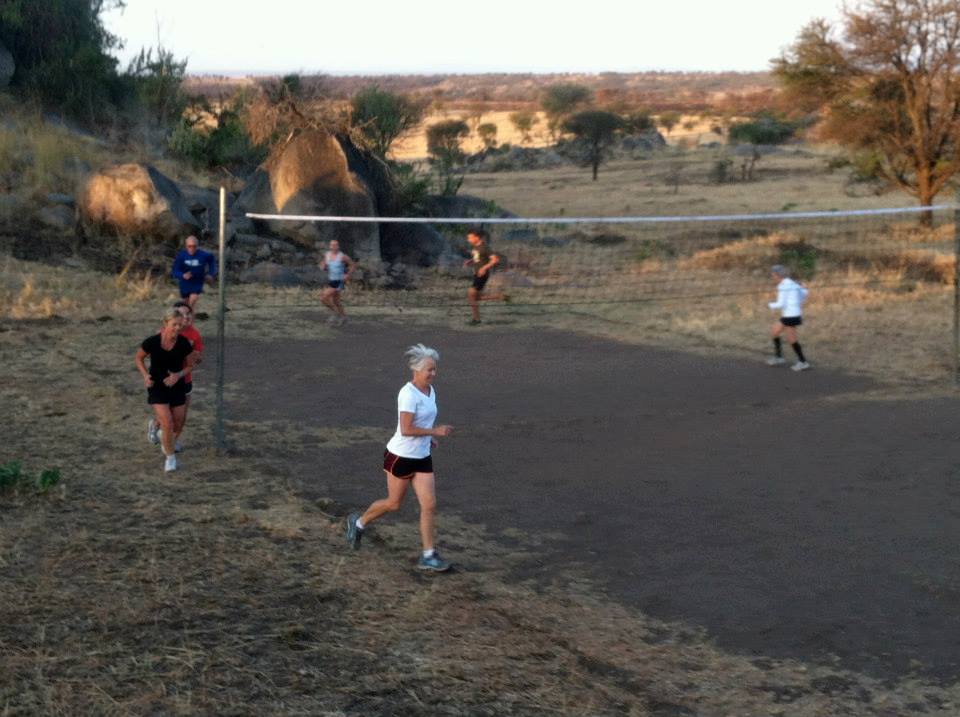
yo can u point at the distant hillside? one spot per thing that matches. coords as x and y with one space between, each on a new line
657 91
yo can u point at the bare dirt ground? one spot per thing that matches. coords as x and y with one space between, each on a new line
634 532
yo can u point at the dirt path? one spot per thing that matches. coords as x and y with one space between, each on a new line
788 515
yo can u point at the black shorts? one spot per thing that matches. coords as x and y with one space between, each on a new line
480 281
791 320
173 396
338 285
188 389
188 294
406 467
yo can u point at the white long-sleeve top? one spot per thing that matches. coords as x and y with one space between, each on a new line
790 298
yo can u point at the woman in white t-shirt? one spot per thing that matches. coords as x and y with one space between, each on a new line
407 459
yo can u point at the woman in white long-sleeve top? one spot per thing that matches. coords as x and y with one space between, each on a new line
790 298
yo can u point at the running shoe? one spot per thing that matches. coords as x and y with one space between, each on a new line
353 532
434 563
152 429
776 361
800 366
473 322
170 464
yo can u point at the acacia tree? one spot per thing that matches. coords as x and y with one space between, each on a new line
524 121
446 154
382 117
597 129
888 85
487 132
562 100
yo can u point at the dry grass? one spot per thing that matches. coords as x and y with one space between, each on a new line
224 591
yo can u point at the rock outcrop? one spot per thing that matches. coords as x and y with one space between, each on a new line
135 200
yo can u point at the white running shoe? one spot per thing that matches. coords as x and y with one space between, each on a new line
800 366
776 361
152 429
170 464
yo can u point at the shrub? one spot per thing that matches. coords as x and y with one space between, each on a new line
764 129
14 479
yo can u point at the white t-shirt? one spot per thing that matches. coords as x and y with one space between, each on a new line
790 298
424 410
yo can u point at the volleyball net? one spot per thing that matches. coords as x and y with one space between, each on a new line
884 298
552 262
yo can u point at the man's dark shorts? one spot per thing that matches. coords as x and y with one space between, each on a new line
480 281
791 320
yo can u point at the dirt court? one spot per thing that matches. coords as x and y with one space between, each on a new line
789 516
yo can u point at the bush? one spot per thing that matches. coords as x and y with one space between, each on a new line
410 190
800 258
720 171
13 479
764 129
227 145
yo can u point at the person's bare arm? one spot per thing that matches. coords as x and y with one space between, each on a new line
142 367
408 429
351 265
494 260
189 363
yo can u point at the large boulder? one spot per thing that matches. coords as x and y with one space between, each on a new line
312 176
416 244
135 200
7 66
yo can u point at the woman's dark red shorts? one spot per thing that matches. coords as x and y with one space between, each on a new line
406 467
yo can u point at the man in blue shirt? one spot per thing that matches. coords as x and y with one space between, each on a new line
192 266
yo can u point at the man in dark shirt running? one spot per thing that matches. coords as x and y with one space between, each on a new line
483 261
191 267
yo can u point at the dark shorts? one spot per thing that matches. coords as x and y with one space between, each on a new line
338 285
791 320
405 467
480 281
175 396
188 389
186 294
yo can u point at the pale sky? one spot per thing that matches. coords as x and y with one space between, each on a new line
445 36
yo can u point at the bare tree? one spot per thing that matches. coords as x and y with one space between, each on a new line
888 85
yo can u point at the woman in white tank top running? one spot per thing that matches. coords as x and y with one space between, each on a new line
338 266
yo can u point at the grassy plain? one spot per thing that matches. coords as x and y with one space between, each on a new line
225 591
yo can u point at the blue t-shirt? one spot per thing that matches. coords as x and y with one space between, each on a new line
199 266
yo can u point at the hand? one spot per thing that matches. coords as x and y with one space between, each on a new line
481 272
171 378
187 275
433 443
210 280
148 381
443 430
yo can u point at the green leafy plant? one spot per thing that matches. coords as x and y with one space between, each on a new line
14 479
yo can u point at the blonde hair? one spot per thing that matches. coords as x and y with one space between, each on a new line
418 353
170 314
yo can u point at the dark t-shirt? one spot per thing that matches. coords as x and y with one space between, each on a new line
162 362
481 257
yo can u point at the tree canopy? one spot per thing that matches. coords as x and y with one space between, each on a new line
382 117
597 130
886 83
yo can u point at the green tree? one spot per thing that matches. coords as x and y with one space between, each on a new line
638 123
382 117
669 120
159 84
765 128
488 134
446 153
597 130
524 121
62 54
561 100
888 83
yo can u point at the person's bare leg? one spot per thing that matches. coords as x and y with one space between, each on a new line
192 301
791 333
424 487
396 489
179 414
338 305
776 329
473 296
165 421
